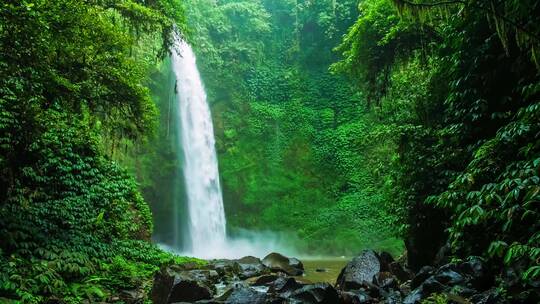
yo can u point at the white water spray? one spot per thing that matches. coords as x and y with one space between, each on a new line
204 199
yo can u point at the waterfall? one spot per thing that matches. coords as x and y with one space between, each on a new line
206 223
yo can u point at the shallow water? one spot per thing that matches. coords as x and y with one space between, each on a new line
332 267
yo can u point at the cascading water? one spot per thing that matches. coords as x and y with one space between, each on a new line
205 233
206 224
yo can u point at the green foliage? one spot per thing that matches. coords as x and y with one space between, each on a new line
292 142
465 106
74 226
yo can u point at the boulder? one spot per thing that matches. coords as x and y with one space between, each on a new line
284 285
130 296
315 294
490 296
244 295
360 270
385 280
250 267
424 273
393 297
264 280
414 297
449 277
476 270
354 297
397 270
172 286
429 286
225 268
281 263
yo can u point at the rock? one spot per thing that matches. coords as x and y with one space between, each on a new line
185 286
449 277
385 259
490 296
393 297
429 286
226 268
424 273
250 267
278 262
131 296
475 268
414 297
385 280
244 295
401 274
354 297
360 270
189 291
373 290
321 270
209 277
464 291
284 285
316 294
265 280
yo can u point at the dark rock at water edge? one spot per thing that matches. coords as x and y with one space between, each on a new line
359 271
320 293
244 295
250 267
265 280
172 286
278 262
283 285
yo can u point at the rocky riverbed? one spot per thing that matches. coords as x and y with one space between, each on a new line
370 277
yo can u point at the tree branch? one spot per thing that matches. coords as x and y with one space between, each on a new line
516 25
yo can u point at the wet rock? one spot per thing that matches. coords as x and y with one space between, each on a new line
464 291
397 269
278 262
244 295
476 270
321 293
225 268
424 273
250 267
360 270
414 297
487 297
321 270
209 277
172 286
385 280
429 286
354 297
130 296
265 280
189 291
284 285
393 297
449 277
